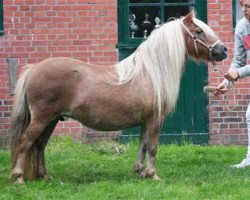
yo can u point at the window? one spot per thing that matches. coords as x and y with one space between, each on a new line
144 16
1 17
237 13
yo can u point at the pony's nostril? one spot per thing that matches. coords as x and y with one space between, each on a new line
225 49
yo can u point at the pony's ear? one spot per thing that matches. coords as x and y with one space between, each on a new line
189 17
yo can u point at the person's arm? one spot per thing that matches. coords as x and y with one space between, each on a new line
240 55
238 67
238 62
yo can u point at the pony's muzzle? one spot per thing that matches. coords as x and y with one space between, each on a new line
219 52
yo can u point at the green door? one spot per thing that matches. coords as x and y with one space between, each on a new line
136 19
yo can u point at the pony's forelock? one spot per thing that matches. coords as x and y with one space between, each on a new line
206 29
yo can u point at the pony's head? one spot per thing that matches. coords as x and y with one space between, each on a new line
201 41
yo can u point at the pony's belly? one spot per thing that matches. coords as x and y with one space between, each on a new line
108 122
107 126
104 125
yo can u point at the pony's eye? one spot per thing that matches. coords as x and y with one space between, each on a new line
199 31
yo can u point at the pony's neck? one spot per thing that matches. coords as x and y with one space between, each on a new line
162 57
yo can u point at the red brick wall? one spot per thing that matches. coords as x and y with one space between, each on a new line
87 30
226 127
38 29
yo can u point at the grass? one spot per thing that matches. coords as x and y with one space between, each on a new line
104 171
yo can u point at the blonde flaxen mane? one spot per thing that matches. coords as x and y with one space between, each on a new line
162 56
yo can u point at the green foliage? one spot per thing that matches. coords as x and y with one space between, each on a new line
104 171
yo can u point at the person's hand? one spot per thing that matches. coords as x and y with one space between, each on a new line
221 89
232 75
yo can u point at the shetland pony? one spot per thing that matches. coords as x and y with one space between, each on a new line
140 90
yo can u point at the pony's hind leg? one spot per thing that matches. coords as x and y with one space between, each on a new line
152 131
25 142
139 165
41 143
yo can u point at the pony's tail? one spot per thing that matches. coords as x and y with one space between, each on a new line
21 113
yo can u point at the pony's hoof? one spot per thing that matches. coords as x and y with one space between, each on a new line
150 174
156 177
47 177
138 168
18 180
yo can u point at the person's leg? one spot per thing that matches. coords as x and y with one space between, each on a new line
246 161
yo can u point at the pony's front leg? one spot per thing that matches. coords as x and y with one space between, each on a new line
152 132
139 165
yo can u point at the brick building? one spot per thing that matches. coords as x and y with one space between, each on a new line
91 31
